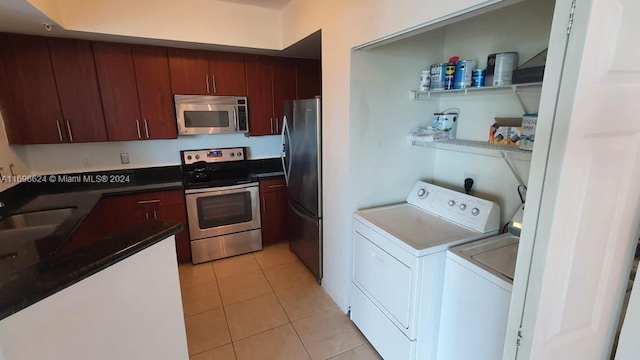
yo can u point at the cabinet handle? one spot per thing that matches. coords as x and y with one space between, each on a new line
275 186
12 169
149 201
207 80
138 128
69 130
146 128
272 125
213 81
147 215
155 215
59 131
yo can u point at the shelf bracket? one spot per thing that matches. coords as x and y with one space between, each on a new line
512 168
524 108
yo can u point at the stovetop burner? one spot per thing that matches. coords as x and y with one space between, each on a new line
215 168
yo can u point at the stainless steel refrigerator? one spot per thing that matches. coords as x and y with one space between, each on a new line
302 163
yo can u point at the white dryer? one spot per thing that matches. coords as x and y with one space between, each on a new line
476 295
398 265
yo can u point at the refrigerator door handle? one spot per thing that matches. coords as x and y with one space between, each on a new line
285 128
300 214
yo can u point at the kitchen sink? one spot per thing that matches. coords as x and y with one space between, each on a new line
12 237
43 218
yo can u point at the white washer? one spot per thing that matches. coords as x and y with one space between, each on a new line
398 265
475 303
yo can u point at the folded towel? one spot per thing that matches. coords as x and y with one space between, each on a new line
426 134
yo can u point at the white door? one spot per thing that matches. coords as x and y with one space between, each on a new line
590 207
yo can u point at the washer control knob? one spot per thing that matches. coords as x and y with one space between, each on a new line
232 155
475 211
189 157
197 157
239 154
451 203
462 206
422 193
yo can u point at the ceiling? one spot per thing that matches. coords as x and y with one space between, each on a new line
271 4
18 16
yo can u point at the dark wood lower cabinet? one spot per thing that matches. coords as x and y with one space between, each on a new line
160 205
273 212
113 214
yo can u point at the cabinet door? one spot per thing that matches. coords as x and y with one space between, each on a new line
116 76
154 92
227 74
309 78
34 114
260 95
284 87
178 213
98 224
77 84
189 72
7 111
273 217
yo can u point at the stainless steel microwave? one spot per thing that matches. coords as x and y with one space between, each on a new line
200 114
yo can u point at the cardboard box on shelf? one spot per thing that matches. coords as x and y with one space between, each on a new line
506 132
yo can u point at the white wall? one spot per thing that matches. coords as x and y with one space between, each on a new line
345 25
66 158
384 165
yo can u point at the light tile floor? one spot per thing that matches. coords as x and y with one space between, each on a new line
264 305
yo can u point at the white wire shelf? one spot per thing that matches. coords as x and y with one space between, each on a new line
424 95
478 148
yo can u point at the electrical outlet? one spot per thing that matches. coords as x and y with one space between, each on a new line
124 158
474 177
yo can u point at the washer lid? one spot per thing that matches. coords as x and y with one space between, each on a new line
419 232
496 255
502 260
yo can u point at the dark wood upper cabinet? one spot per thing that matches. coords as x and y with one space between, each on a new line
34 115
189 72
284 87
154 92
260 95
116 76
309 78
77 84
7 111
196 72
227 72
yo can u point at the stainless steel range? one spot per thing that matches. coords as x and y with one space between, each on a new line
223 203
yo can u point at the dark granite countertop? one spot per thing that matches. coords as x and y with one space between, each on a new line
267 168
33 267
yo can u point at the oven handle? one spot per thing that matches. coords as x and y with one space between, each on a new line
222 190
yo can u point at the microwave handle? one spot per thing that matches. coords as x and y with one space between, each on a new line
235 119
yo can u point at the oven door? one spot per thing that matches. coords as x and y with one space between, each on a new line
203 118
222 211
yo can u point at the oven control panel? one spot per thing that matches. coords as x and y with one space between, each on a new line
470 211
213 155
